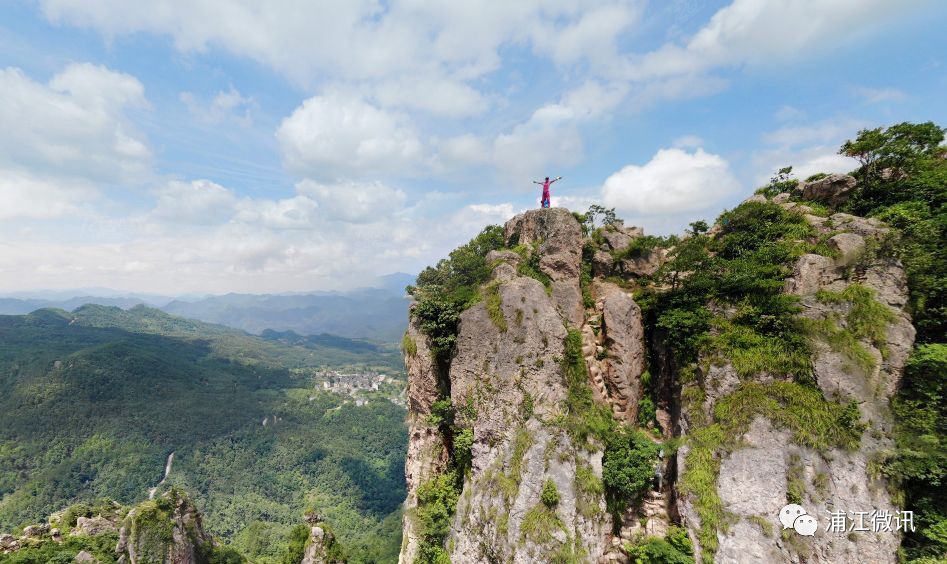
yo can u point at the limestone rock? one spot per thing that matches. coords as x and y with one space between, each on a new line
849 246
623 332
602 263
8 543
317 550
35 531
93 526
143 537
645 264
85 557
615 239
427 453
811 273
560 250
866 227
834 189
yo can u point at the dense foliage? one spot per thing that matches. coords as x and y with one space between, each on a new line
445 290
674 548
94 401
628 467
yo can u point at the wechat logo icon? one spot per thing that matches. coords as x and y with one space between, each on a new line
793 516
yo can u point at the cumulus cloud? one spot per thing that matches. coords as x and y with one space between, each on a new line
361 39
758 31
76 124
195 202
333 136
298 212
354 202
673 181
24 196
809 148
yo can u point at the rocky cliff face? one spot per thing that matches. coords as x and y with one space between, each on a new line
531 487
167 530
506 376
771 468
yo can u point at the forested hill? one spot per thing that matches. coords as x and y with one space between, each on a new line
92 403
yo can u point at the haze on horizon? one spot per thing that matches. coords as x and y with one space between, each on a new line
207 147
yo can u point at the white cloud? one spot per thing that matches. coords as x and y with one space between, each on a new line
437 95
688 142
298 212
590 37
672 182
828 131
74 125
333 136
24 196
877 95
759 31
354 202
196 202
362 39
230 105
807 147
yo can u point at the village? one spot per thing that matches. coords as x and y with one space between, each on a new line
363 384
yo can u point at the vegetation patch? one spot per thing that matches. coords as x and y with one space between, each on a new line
674 548
408 346
867 318
628 467
529 264
550 494
437 501
494 304
539 523
584 418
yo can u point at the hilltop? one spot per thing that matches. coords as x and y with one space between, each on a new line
579 391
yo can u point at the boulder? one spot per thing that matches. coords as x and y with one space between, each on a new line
645 264
35 531
866 227
86 558
615 240
8 542
602 263
849 246
93 526
834 189
810 274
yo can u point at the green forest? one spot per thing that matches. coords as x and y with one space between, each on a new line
95 400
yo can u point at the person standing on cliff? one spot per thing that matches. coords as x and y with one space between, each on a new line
545 184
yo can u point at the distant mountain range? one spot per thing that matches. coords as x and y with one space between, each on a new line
378 314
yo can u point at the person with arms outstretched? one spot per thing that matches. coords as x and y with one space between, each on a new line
545 184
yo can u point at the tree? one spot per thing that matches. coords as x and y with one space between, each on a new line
898 147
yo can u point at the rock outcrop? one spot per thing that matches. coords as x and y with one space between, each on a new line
166 530
507 386
833 189
507 382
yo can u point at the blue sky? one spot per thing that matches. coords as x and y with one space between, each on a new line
209 146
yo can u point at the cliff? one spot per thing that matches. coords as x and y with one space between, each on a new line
588 394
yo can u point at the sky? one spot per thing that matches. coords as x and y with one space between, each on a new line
214 146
